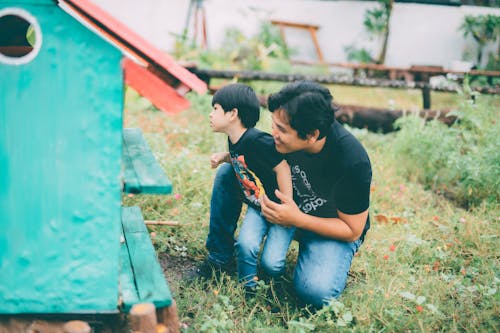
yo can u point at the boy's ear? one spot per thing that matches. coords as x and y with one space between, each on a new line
311 138
234 113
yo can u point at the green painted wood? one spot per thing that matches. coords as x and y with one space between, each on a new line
60 172
143 173
148 275
128 290
130 180
34 2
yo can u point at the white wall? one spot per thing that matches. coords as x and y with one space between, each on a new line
420 34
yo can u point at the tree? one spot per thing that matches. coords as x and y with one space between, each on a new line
376 23
483 29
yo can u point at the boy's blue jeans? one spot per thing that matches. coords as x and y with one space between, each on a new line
322 263
273 258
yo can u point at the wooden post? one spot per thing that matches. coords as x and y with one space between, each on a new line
426 97
143 318
168 316
312 32
76 326
160 328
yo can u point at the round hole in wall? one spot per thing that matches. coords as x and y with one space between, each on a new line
20 36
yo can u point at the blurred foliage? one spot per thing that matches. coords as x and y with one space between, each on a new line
462 161
485 30
265 51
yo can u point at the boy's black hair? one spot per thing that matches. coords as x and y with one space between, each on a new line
308 106
241 97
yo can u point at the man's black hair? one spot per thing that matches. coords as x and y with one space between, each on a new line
308 106
242 97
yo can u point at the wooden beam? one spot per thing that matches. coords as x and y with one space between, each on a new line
169 223
295 24
334 79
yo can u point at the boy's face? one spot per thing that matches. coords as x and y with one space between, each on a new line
219 120
285 137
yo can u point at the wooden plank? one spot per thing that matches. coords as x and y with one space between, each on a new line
149 85
295 24
149 280
127 288
130 183
147 175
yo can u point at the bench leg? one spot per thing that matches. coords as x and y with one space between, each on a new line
143 318
168 317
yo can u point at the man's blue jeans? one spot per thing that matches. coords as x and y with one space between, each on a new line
322 263
273 258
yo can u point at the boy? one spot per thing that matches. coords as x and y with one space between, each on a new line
260 170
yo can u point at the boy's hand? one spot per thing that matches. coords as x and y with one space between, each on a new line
217 158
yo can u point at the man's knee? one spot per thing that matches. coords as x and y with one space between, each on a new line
316 292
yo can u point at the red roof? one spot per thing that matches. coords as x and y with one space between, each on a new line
154 61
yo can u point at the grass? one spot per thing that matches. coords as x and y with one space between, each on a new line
426 265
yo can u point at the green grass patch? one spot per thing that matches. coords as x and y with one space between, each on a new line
426 265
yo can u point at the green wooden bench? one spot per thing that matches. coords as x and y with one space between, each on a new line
142 173
141 278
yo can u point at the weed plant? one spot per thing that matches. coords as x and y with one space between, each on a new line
462 161
427 265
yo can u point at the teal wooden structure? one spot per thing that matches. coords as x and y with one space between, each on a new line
66 243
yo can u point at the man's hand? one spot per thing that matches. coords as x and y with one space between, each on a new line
218 158
345 227
287 213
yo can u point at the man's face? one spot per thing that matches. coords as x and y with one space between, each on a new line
285 137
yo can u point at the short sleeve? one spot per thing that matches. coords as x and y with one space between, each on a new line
266 149
353 191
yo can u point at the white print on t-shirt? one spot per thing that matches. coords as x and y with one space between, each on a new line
307 199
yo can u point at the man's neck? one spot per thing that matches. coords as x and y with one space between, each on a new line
234 133
316 147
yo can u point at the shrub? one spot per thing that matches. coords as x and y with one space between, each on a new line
462 161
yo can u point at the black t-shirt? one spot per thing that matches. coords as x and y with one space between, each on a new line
337 178
254 157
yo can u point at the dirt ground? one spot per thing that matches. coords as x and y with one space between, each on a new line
175 269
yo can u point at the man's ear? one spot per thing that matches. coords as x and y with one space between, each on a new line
311 138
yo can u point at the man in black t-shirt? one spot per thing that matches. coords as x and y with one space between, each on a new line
331 176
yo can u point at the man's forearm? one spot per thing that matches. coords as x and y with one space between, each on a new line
331 227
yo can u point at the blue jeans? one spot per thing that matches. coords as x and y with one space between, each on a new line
322 263
322 267
225 209
273 258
